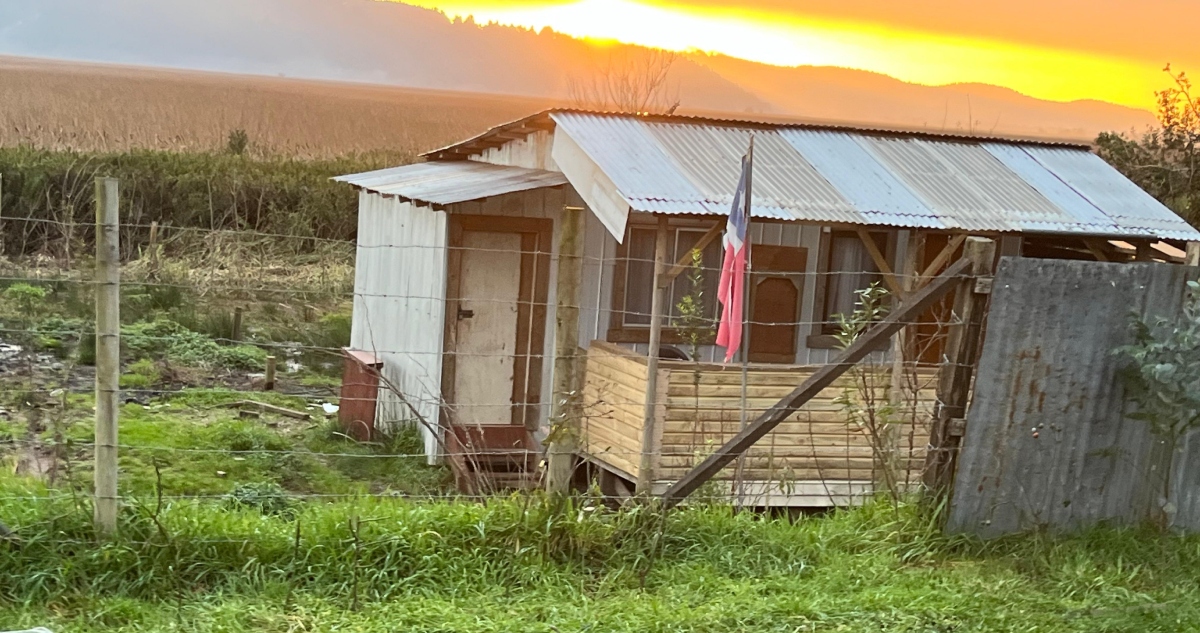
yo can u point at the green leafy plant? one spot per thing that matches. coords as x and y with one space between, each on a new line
866 405
29 299
238 142
266 497
140 375
1162 379
693 323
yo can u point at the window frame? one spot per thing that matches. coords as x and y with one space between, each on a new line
820 338
618 330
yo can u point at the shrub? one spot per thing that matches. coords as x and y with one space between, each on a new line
29 299
266 497
167 339
140 375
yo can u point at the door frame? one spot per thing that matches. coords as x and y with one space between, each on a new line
537 236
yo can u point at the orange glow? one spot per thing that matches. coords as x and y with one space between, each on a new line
791 39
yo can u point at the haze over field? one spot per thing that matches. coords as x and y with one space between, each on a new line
397 44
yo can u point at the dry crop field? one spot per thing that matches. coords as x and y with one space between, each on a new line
99 107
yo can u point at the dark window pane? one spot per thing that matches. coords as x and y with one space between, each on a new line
639 277
710 264
851 268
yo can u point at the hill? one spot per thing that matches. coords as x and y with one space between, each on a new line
395 44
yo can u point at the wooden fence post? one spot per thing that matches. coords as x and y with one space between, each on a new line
235 333
564 409
1 215
958 366
646 463
1192 254
269 379
108 352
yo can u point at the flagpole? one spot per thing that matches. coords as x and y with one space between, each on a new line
747 284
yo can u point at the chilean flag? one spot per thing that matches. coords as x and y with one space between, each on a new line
732 290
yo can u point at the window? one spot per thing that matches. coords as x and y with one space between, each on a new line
850 269
638 287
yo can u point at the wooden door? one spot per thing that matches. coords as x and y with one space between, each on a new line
775 302
495 319
486 327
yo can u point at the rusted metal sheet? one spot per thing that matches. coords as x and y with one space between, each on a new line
360 393
1047 442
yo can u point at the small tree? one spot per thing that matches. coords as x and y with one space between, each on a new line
693 323
630 80
1163 381
1164 161
865 405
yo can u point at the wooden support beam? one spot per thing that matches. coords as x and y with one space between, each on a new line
881 262
943 256
1096 248
658 310
903 352
958 367
914 306
1192 254
685 260
1144 252
565 407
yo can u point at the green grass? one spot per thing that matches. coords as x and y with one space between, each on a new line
529 565
192 444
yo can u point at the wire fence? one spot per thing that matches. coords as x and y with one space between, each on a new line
235 373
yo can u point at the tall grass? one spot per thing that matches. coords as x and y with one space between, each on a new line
536 564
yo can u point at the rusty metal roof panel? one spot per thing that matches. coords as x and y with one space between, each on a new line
450 182
1134 211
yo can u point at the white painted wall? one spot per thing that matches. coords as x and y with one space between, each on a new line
399 306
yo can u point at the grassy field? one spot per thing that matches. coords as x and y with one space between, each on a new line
533 565
94 107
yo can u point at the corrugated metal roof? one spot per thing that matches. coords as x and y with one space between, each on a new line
680 165
450 182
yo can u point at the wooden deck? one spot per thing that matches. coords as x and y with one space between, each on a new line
818 457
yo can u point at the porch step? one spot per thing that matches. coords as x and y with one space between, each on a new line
488 459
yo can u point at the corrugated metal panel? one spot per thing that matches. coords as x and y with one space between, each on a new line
1132 209
1083 213
450 182
875 192
624 149
1047 443
679 165
823 174
399 317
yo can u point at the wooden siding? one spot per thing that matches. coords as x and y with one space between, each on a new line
817 457
614 396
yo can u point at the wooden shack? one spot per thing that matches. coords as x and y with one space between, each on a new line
458 282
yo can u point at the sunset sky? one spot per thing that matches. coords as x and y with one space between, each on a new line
1063 50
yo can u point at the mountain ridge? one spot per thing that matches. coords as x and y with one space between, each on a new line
396 44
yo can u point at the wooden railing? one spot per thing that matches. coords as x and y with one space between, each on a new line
819 455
